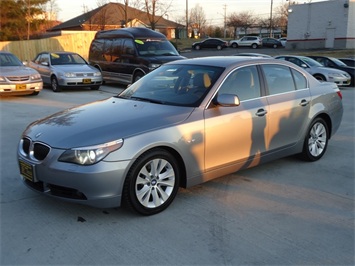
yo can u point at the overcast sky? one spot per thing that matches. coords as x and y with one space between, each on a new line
214 9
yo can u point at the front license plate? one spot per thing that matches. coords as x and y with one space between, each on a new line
86 81
26 170
20 87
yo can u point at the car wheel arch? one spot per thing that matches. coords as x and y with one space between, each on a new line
319 76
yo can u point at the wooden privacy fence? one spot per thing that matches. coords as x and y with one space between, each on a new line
78 42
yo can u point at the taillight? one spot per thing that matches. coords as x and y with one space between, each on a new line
340 95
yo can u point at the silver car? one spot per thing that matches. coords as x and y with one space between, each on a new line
66 70
185 123
247 41
319 71
16 78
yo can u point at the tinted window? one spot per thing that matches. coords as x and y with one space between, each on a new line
278 79
97 47
128 47
243 82
116 48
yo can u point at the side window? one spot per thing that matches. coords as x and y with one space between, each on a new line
300 80
44 58
106 51
128 47
96 49
116 48
278 79
243 82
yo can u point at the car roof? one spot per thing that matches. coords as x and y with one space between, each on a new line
133 32
226 61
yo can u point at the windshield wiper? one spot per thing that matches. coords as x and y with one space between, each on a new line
145 100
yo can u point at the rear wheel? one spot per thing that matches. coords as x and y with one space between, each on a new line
320 77
219 47
254 46
316 141
274 46
152 182
55 85
137 76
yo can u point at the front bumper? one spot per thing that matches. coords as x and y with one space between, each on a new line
99 185
80 82
20 89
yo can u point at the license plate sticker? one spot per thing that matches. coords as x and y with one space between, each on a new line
20 87
86 81
26 170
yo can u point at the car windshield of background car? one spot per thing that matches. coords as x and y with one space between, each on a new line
9 60
180 85
311 62
155 47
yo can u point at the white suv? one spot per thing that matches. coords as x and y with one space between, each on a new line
250 41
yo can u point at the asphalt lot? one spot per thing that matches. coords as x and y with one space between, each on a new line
287 212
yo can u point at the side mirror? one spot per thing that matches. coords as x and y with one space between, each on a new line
228 100
304 66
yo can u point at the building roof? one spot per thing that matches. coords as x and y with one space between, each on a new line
112 15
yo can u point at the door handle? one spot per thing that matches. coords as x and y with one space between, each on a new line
304 102
261 112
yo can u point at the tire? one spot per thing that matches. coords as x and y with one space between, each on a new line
95 88
197 47
219 47
152 182
35 93
316 141
234 45
55 85
137 76
274 46
319 77
254 46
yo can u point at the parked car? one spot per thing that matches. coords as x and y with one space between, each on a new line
16 78
66 70
210 43
283 41
348 61
125 55
335 63
271 42
317 70
176 127
249 41
254 55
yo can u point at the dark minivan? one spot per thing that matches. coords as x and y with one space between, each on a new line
125 55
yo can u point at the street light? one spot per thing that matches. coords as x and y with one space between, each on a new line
271 19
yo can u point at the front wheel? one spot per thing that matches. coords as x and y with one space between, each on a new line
219 47
152 182
137 76
55 85
234 45
197 47
319 77
316 141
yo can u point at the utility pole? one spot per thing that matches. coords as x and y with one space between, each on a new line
187 18
225 20
271 20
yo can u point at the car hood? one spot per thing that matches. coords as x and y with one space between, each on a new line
17 71
75 68
103 121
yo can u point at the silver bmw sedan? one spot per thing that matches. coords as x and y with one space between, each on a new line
185 123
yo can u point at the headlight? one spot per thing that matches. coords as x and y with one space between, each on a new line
90 155
35 76
334 75
2 79
153 66
97 74
70 75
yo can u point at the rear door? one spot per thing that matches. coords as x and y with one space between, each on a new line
289 104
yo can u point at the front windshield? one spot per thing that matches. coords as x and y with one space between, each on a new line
311 62
181 85
9 60
66 59
337 61
155 48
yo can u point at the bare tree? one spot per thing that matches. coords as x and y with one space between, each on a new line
155 7
197 18
242 20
